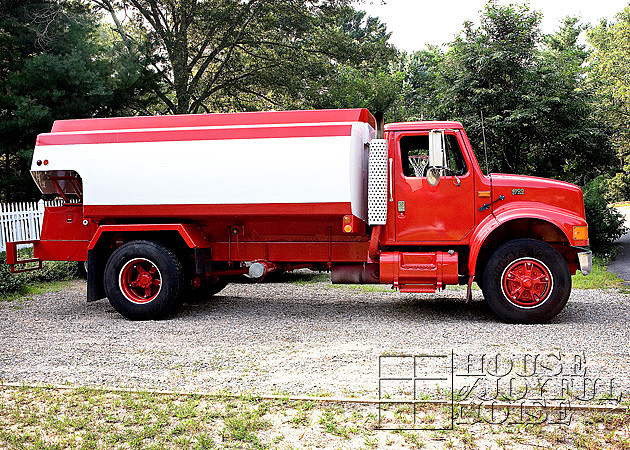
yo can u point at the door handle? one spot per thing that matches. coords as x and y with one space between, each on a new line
391 183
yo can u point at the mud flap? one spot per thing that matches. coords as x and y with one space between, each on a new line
95 286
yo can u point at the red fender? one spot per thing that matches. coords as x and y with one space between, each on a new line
191 234
562 219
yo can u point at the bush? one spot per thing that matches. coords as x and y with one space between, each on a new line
9 282
605 224
50 271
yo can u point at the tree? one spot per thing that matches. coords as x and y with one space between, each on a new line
229 54
488 71
609 72
360 69
54 64
421 69
572 141
538 113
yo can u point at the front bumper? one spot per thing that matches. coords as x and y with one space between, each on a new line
585 259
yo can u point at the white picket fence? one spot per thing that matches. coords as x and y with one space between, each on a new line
22 221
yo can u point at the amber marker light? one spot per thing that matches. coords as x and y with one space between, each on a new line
347 224
580 233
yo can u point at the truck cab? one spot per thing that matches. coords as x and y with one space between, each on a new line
520 238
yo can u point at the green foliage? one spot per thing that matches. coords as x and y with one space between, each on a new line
234 56
50 271
609 66
605 224
266 54
56 63
10 282
421 83
378 91
538 112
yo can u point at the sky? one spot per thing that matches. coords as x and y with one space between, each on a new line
416 23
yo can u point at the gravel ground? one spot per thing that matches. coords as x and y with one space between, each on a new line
299 338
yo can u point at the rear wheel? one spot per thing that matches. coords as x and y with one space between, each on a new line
143 280
526 281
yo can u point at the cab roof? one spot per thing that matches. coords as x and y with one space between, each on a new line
424 125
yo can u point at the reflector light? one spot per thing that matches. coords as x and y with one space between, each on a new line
347 228
580 233
347 219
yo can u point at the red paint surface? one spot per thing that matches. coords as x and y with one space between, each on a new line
234 210
112 137
215 120
445 212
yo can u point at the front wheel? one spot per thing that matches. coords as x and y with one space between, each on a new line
526 281
143 280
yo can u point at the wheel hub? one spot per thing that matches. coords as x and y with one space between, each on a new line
140 280
527 282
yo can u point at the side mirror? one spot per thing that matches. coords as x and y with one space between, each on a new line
436 156
433 176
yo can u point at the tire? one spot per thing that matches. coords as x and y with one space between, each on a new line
143 280
526 281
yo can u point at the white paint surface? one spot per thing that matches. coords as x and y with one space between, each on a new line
233 171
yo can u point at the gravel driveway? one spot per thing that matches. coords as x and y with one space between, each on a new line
298 337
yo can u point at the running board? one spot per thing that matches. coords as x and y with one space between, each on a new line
418 288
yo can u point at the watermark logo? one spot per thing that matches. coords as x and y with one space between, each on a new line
438 391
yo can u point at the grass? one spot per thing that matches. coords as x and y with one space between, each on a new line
599 278
35 288
51 418
51 276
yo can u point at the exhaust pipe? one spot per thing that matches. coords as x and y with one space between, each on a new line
380 124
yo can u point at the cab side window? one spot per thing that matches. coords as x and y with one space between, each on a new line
414 152
414 155
454 156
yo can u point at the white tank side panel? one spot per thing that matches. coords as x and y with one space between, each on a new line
286 170
361 133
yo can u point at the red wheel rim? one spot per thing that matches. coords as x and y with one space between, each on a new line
527 283
140 280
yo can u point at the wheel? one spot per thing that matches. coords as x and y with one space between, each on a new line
143 280
526 281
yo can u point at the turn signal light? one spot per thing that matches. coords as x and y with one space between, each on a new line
580 233
347 224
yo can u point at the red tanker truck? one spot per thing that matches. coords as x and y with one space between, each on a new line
166 207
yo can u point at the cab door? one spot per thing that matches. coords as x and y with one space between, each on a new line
426 213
